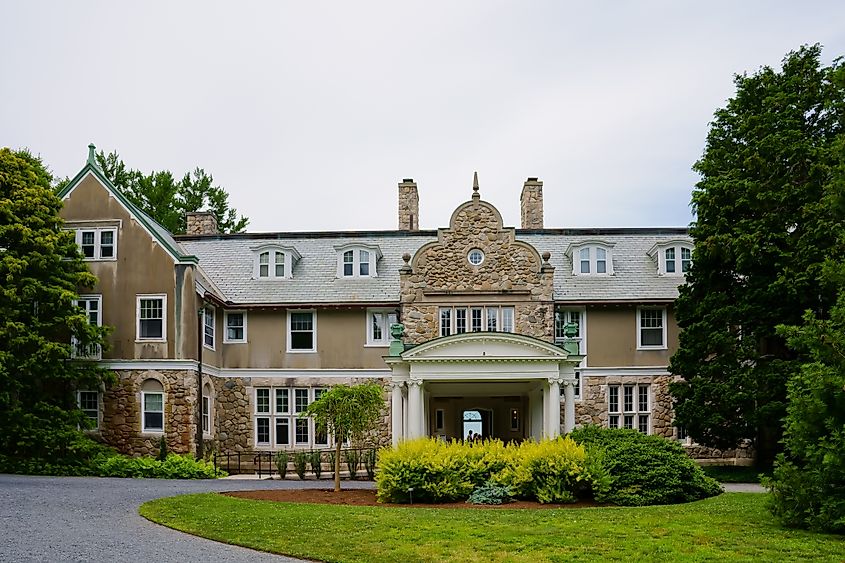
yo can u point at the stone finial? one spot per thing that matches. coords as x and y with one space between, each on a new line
475 194
92 154
406 268
546 255
409 205
201 223
531 204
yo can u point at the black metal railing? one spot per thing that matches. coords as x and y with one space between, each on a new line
355 462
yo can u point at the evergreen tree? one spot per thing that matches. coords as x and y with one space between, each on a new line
764 225
41 271
166 199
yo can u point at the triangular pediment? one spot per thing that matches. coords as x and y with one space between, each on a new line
485 346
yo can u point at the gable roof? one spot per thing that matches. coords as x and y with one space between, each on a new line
153 228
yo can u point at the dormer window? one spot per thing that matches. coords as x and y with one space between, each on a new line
357 262
274 262
591 258
674 258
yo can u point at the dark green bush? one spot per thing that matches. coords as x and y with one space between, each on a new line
490 493
300 463
315 458
353 462
645 469
370 458
282 459
162 449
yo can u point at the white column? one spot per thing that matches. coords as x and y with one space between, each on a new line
553 409
569 405
396 412
416 427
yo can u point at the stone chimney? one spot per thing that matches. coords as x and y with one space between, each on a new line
201 223
409 206
531 204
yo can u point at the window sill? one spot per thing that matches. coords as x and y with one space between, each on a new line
100 259
235 342
150 341
149 432
651 348
205 346
301 351
385 345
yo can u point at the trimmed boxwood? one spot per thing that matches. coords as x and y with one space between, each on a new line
645 469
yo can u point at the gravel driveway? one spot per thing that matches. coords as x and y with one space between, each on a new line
93 519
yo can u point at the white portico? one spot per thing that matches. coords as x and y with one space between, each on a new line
482 371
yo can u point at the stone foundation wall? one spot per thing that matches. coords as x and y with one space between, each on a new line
121 421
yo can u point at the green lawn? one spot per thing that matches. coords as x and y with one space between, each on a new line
732 526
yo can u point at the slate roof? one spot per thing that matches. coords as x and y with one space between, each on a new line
228 260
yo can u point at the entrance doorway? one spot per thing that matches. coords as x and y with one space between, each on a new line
479 421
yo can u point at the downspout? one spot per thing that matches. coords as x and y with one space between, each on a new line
200 334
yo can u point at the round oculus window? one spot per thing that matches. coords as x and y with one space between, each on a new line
475 257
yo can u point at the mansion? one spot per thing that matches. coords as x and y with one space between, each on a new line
514 333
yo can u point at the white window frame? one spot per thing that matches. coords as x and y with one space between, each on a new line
98 238
138 298
144 429
226 339
468 309
591 247
206 415
372 258
658 253
74 350
213 326
640 345
291 256
636 411
99 410
385 321
581 339
288 342
291 415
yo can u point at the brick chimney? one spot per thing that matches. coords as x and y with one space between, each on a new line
409 206
531 204
201 223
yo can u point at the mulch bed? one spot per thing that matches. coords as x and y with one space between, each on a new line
367 497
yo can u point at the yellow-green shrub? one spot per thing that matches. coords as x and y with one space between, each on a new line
550 471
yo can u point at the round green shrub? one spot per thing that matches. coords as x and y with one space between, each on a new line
645 469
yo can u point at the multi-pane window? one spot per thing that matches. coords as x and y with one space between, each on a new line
629 406
576 317
278 422
592 260
675 259
152 406
301 331
151 317
206 414
97 244
92 305
458 320
686 259
378 326
273 264
357 263
208 328
651 331
89 404
235 326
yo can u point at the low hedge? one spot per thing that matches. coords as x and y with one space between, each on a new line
117 465
645 469
430 470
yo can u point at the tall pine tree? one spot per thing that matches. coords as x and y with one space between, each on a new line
41 271
764 225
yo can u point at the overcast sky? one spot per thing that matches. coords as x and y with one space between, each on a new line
310 113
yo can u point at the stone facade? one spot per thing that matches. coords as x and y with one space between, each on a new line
409 206
121 422
531 204
511 273
201 223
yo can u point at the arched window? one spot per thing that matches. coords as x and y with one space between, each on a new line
591 257
152 406
357 260
274 262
